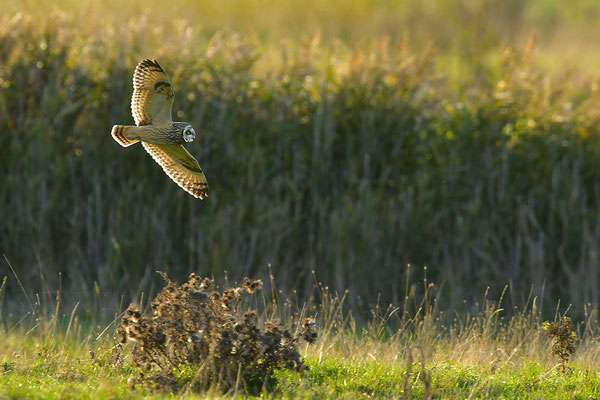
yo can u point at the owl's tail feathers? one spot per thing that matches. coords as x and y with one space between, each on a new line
125 135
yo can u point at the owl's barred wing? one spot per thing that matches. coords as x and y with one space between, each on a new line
152 98
181 167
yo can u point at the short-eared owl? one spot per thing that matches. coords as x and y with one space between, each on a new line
162 138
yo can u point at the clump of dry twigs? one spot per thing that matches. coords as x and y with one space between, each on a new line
194 325
563 335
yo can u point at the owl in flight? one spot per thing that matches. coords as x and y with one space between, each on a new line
162 138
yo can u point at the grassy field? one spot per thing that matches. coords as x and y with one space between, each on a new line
398 353
343 141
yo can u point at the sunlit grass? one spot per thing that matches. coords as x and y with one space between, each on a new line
486 354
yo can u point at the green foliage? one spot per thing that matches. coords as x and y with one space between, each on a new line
351 159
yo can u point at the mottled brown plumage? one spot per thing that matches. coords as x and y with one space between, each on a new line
152 98
151 105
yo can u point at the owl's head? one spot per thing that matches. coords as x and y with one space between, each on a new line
189 134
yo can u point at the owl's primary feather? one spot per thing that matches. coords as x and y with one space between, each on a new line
181 167
152 98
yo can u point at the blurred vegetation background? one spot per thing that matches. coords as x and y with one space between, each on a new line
348 138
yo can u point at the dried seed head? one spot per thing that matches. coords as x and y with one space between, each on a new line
199 295
206 284
251 286
309 330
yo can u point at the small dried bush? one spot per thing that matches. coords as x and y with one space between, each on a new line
196 328
563 336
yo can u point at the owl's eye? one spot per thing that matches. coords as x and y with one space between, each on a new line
189 134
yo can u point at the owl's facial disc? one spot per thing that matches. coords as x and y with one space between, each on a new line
189 134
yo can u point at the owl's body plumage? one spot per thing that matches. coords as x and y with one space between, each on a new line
151 105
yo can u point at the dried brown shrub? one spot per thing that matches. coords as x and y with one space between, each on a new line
196 325
563 336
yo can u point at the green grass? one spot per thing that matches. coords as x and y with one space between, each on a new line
397 353
481 356
331 379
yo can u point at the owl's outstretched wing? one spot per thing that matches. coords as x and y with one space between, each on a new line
181 167
152 98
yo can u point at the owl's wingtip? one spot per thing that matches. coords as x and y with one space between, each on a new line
149 62
197 193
